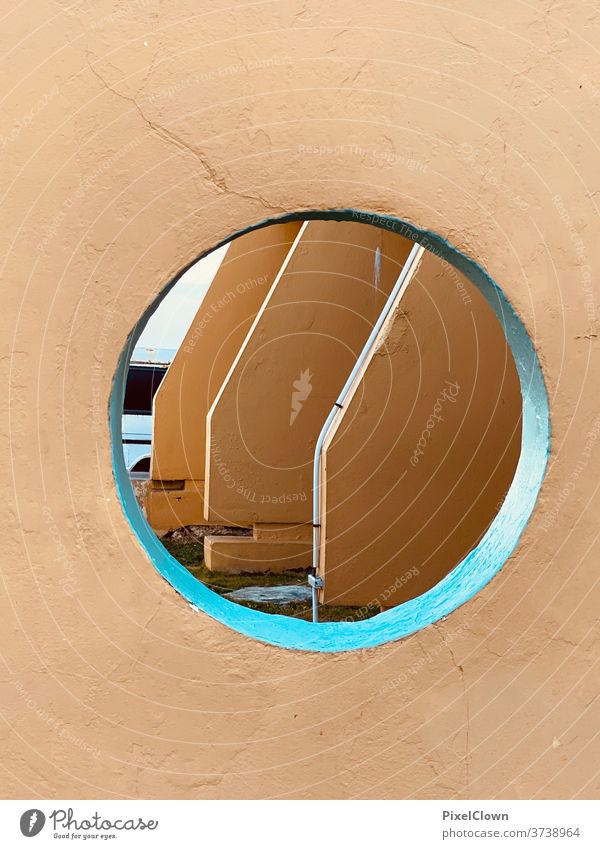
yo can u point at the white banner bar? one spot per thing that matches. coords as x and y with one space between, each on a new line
301 824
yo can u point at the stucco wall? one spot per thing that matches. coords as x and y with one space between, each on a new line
198 369
136 138
424 450
267 415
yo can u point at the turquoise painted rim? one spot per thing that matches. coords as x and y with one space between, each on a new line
459 585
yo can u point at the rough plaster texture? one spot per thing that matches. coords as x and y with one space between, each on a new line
425 449
136 139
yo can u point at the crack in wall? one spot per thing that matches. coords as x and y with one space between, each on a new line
467 755
214 177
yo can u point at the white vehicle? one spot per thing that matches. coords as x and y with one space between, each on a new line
147 368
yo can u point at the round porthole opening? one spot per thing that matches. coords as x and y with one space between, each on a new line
332 413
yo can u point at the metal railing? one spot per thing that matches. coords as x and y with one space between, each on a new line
315 581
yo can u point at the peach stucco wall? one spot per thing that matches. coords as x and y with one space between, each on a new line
133 140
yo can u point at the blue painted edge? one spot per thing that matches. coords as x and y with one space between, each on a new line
465 580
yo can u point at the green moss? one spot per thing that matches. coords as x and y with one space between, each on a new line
327 612
191 555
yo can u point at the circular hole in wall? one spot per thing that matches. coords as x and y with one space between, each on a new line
429 467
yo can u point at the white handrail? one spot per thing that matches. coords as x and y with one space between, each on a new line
414 257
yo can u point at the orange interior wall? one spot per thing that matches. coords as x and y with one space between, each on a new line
426 448
199 368
264 423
